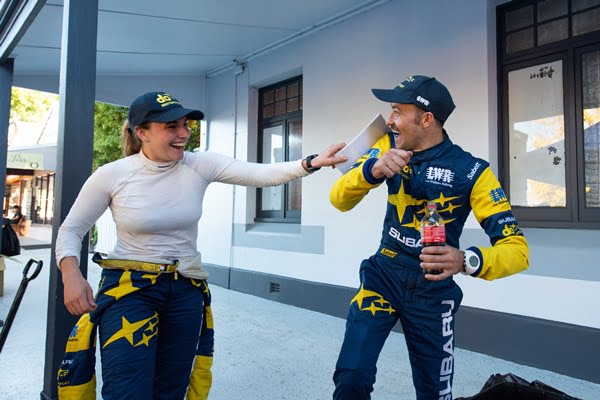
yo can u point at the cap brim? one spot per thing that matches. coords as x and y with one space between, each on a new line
391 96
175 113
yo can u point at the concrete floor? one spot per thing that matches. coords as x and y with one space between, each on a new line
263 350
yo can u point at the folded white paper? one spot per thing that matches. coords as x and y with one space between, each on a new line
362 143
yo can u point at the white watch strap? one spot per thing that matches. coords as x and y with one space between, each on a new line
471 262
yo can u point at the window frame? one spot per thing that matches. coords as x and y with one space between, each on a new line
569 51
585 213
285 215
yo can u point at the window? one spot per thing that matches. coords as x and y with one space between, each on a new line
280 139
549 58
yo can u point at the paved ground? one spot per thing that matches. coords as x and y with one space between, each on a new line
264 350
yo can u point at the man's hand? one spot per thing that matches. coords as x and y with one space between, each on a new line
390 163
447 259
79 297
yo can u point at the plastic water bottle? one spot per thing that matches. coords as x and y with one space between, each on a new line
433 231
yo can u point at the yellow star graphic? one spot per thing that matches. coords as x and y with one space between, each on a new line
451 207
152 277
151 326
414 224
146 339
127 330
402 200
363 294
125 287
443 199
197 284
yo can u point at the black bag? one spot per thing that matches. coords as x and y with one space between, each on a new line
513 387
10 241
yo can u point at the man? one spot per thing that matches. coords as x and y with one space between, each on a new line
419 163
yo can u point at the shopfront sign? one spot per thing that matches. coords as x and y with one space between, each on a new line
20 160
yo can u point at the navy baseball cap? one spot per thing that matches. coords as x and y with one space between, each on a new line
158 107
425 92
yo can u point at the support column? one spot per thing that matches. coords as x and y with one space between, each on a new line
74 162
6 81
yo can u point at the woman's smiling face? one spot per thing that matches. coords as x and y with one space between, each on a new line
164 141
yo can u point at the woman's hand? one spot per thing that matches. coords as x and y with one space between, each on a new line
328 158
79 297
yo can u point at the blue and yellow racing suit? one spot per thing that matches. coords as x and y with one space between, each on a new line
392 284
156 339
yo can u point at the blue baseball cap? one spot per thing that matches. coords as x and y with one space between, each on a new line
158 107
425 92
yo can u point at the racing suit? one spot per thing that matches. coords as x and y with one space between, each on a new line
129 304
392 284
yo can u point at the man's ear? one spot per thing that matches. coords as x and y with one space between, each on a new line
427 120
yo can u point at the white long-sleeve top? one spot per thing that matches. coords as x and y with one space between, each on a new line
156 206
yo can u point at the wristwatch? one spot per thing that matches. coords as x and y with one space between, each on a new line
471 262
309 166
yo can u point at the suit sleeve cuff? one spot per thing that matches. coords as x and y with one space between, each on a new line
367 165
480 256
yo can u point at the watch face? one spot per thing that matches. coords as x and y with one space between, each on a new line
473 261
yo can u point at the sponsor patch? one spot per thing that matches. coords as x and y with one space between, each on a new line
498 196
506 220
510 230
439 176
389 253
74 332
474 170
373 153
422 100
165 100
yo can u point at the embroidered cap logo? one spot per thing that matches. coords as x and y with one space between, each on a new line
163 98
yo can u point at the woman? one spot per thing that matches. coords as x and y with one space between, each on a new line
153 300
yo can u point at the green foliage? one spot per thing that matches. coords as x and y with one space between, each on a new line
94 236
194 141
29 105
108 121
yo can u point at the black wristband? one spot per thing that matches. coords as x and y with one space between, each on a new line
309 166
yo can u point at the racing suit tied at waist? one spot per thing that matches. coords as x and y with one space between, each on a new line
189 267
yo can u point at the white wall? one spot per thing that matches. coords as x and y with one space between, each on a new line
453 41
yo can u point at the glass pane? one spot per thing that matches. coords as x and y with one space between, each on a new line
268 97
537 136
292 90
272 151
519 18
590 65
549 9
280 108
295 153
553 31
280 94
268 111
577 5
586 22
292 104
518 41
50 208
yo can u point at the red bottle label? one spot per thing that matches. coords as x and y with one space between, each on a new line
434 235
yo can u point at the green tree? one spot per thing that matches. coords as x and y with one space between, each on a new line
29 105
108 121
